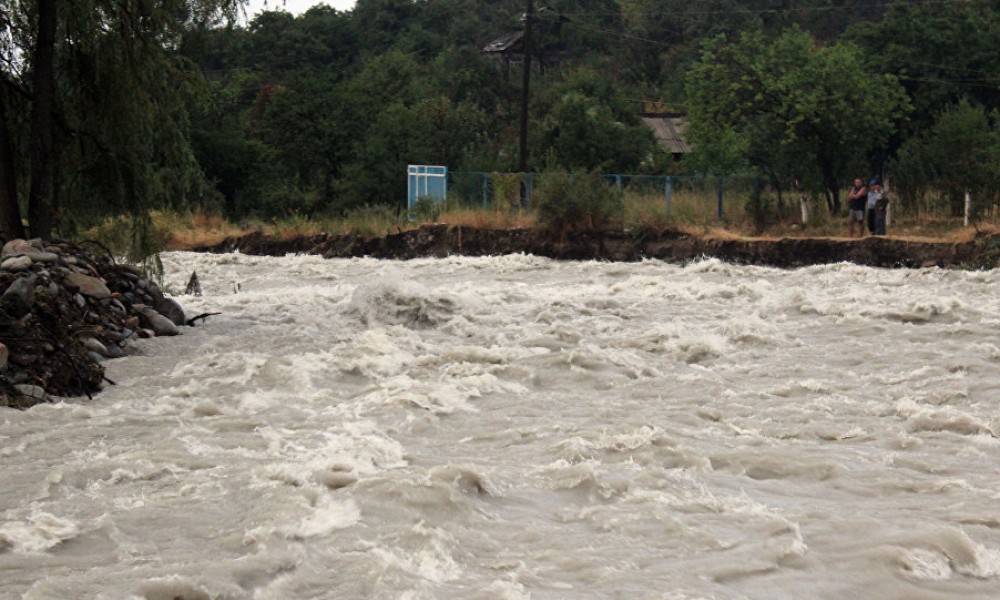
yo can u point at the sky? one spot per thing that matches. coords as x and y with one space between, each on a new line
296 7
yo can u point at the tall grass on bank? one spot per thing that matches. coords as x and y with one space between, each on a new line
692 211
696 212
189 229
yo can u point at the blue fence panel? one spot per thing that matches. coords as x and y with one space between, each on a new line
477 188
426 181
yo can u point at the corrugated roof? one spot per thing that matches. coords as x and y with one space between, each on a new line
505 43
669 133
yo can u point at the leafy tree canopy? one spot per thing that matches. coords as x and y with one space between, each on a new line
792 108
122 105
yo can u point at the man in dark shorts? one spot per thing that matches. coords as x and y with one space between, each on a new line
857 198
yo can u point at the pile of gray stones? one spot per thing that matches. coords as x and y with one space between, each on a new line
65 308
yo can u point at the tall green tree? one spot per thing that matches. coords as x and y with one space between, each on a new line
942 52
590 123
789 106
327 105
95 106
959 154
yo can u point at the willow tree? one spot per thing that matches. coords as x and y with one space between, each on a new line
93 108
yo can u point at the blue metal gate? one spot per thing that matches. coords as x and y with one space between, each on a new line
426 181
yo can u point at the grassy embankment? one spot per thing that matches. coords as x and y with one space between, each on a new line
691 213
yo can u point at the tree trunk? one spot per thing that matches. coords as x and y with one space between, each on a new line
10 211
775 182
40 204
832 191
956 201
830 179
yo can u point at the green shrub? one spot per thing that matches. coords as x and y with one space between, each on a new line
576 202
507 191
426 209
373 220
645 210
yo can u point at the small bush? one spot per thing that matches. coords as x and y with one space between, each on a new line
426 209
507 191
370 221
577 202
646 211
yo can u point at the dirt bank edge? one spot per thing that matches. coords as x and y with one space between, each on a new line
982 252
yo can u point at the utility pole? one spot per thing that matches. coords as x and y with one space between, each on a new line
522 164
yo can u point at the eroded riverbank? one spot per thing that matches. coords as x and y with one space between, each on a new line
981 252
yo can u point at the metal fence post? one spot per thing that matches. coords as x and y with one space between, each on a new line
486 189
667 189
618 182
527 189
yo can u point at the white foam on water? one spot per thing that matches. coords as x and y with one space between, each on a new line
430 559
946 418
925 564
329 515
949 554
514 427
38 532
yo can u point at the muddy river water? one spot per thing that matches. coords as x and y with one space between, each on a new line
515 427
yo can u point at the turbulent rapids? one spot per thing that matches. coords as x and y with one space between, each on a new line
515 427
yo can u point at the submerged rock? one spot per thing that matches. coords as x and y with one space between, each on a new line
171 310
96 346
151 319
33 392
193 287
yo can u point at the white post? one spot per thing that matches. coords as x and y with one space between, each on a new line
968 202
805 210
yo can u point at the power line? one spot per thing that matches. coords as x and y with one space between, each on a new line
969 82
608 32
951 82
803 9
949 68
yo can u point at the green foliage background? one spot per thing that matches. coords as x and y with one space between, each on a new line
319 114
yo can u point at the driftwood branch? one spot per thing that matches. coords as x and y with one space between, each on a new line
192 320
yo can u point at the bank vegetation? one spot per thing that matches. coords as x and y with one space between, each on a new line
147 114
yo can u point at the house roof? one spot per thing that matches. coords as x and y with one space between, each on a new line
505 43
669 132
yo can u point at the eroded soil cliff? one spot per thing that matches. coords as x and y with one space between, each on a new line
442 240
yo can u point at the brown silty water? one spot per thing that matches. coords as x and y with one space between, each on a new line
515 427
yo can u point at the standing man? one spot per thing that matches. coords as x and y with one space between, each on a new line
881 208
856 201
874 189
